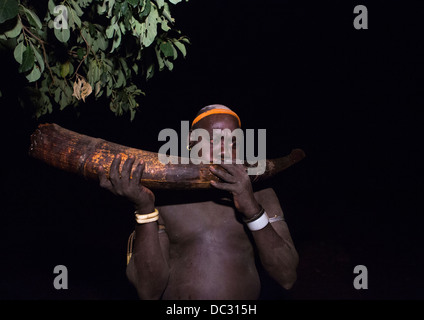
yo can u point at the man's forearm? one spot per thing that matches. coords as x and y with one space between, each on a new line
277 255
151 267
276 250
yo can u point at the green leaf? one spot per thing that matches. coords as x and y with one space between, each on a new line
122 27
121 79
94 73
111 4
28 59
160 59
80 53
134 3
184 39
125 10
63 102
175 1
150 71
8 10
39 58
146 9
169 65
64 69
149 28
175 52
108 90
87 35
181 47
113 31
132 113
77 8
110 30
64 95
62 34
19 51
51 5
125 69
102 43
33 19
166 49
15 31
45 102
164 25
167 14
84 3
73 19
57 94
135 68
34 75
116 42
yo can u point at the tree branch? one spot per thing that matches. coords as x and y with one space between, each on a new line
26 30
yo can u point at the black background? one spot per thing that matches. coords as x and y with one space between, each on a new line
351 99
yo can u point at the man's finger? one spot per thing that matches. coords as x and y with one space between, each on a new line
104 181
231 168
222 174
114 169
223 186
126 169
138 172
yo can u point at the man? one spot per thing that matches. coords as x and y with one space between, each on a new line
201 245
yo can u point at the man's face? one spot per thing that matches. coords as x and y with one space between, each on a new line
217 121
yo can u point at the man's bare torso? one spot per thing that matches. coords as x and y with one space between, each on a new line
210 253
210 256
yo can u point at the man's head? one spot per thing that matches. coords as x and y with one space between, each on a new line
217 117
212 114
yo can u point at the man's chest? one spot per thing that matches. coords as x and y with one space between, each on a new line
201 219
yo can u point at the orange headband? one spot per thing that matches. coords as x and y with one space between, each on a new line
215 111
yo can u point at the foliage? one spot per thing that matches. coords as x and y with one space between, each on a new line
102 48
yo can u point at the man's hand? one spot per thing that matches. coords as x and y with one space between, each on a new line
124 185
236 180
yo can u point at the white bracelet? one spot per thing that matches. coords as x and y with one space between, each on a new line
259 223
142 221
146 218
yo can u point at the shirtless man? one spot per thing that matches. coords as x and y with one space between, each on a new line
201 246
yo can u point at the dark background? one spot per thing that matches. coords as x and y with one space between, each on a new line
351 99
